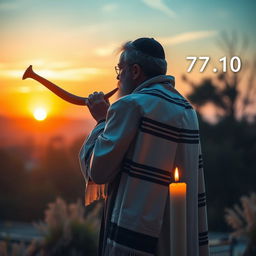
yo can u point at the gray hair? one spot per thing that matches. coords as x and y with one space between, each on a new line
150 65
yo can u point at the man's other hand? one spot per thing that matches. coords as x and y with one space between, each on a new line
97 105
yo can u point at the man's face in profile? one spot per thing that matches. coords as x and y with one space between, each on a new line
125 83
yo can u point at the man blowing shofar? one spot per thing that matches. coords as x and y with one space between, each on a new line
129 158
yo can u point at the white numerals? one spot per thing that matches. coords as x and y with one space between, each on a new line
234 64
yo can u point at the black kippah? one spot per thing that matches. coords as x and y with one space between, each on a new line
150 47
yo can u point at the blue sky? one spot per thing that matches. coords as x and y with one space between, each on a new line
74 41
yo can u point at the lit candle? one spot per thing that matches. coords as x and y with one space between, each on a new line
178 232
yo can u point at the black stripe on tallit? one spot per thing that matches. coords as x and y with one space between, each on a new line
146 167
203 238
184 101
167 99
168 137
167 126
143 177
153 175
200 195
201 199
200 162
202 202
146 125
132 239
142 171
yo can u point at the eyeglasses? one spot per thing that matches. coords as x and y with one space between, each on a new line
118 70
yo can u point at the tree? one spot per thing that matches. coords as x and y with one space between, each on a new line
226 92
228 146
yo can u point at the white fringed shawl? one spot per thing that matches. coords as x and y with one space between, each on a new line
146 135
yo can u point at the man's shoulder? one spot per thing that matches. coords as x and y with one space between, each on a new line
130 101
167 93
163 89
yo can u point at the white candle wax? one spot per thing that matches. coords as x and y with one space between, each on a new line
178 232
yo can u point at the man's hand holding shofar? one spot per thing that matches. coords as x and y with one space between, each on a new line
97 105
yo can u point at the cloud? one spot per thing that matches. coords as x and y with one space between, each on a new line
107 50
48 64
75 74
187 37
24 89
109 7
42 63
60 70
161 6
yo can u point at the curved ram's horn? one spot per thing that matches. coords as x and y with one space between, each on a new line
29 73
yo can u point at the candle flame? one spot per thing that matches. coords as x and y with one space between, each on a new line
176 174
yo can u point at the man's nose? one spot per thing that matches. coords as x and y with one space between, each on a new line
118 77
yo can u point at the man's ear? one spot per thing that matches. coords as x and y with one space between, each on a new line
136 71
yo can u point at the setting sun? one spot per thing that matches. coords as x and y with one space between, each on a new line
40 114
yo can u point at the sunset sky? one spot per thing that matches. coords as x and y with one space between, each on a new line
73 43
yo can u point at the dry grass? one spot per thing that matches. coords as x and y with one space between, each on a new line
65 231
243 218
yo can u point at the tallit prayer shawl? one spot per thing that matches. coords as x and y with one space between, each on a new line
129 160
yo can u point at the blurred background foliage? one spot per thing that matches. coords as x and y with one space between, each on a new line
229 150
228 145
67 230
